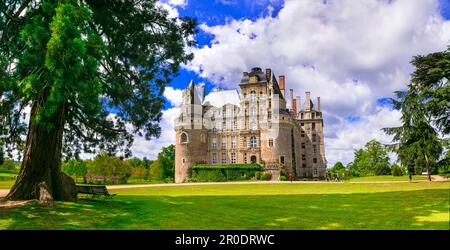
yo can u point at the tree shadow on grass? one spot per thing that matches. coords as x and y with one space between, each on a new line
423 209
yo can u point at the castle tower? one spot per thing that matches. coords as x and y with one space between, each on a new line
190 135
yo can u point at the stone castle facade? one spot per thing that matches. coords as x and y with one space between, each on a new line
258 124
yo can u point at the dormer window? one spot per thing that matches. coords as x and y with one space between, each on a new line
253 79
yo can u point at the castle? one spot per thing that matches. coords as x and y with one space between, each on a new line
254 125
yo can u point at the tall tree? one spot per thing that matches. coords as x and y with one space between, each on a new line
166 159
369 159
86 69
425 108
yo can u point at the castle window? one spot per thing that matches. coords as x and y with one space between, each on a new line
315 172
214 158
302 124
269 115
314 137
235 125
270 142
314 149
282 159
253 125
224 145
313 115
224 158
184 160
304 166
314 160
303 157
245 158
214 145
233 158
184 138
301 116
253 159
253 142
252 111
253 96
313 125
233 142
303 145
302 133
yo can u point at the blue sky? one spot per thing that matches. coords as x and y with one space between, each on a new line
353 54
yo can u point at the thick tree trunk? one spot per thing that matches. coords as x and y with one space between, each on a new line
42 161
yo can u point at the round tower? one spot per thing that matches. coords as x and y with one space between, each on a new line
190 150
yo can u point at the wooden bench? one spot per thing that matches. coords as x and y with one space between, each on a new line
95 191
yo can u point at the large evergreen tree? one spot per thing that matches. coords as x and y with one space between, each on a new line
425 108
85 69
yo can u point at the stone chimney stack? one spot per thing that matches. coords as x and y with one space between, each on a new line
269 74
298 104
203 91
282 86
318 103
291 98
308 101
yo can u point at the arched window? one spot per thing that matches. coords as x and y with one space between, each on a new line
184 138
253 96
253 142
253 159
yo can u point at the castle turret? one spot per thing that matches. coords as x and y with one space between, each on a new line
190 135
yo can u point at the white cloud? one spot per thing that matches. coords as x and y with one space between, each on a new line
350 53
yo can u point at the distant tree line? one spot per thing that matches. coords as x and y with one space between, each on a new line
110 169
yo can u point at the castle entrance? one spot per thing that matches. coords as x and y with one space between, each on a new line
253 159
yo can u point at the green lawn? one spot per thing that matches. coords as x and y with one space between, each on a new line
388 178
7 184
420 205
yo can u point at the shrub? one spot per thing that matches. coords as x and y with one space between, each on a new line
282 178
8 166
227 172
257 175
266 175
396 170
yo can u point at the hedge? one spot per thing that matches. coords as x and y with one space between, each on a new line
227 172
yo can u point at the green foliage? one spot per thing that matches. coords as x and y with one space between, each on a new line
75 168
266 176
424 107
228 172
109 167
371 160
156 170
2 155
382 169
396 170
83 58
337 168
282 178
166 160
8 166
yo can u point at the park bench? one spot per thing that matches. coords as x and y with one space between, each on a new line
94 191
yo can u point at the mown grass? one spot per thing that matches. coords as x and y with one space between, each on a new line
420 205
388 178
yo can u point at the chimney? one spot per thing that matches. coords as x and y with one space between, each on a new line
291 98
308 101
294 103
282 85
298 104
268 74
203 92
318 103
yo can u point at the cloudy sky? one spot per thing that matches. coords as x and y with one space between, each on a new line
353 54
